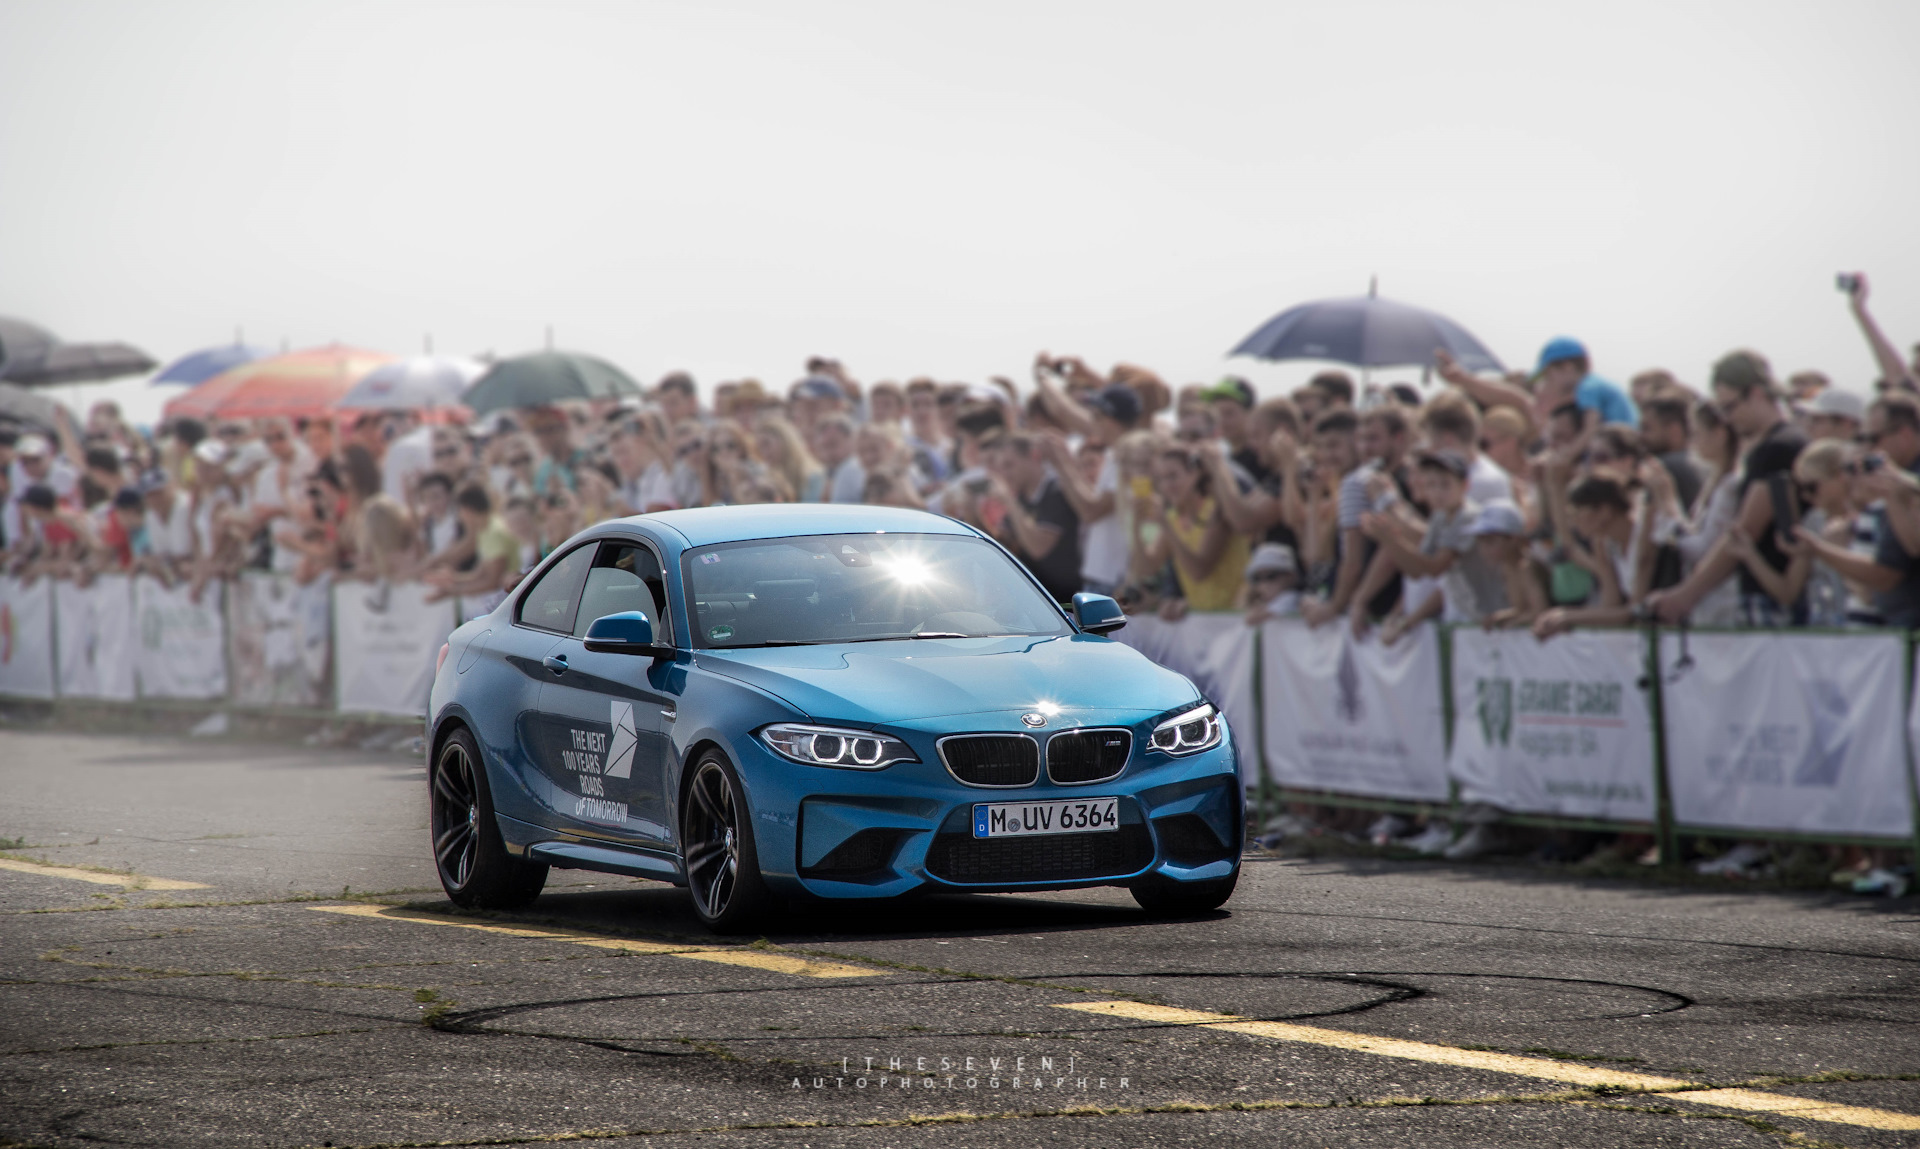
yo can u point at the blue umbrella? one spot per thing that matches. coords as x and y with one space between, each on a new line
203 365
1366 332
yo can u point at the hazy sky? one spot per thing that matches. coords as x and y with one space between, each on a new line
943 190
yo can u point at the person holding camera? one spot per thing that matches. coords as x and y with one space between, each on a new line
1745 393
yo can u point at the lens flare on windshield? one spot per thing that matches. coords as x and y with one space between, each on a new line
912 570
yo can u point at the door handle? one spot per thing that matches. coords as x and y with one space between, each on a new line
556 663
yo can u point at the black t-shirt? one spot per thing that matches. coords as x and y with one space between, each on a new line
1686 477
1774 454
1059 570
1273 484
1900 606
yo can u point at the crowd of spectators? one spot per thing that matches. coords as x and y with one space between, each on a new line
1548 499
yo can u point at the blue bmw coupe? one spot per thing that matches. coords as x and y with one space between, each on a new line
767 703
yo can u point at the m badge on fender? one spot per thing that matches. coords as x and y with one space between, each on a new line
620 751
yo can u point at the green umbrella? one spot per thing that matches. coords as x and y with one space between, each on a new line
547 377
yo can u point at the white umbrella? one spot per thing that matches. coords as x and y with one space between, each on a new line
421 381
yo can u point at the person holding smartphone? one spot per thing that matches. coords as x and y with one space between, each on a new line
1745 393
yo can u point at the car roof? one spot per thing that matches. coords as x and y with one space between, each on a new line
704 526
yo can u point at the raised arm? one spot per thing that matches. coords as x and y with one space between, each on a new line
1892 368
1071 413
1486 392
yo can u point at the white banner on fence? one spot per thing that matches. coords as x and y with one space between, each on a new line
1229 662
1787 732
1556 727
182 651
281 651
1354 717
1182 645
386 637
26 638
95 628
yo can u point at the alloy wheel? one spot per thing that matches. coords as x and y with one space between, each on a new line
456 815
713 840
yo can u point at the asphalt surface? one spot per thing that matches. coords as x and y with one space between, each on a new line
316 989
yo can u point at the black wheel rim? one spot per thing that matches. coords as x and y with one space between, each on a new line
456 816
713 840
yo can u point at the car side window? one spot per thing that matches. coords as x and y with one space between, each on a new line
625 576
550 604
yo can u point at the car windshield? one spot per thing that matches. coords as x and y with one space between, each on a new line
861 588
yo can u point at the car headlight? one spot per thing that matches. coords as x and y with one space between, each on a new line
1197 729
832 746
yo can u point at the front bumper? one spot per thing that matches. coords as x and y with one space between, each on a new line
849 834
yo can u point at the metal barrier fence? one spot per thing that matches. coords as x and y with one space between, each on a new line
1782 735
261 641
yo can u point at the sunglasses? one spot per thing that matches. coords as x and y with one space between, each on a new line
1268 576
520 461
446 452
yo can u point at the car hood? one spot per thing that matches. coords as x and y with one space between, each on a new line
903 681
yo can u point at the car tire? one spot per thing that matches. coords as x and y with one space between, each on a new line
717 847
1166 898
468 851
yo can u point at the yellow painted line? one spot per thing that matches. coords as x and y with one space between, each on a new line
129 881
755 959
780 963
1672 1087
1807 1107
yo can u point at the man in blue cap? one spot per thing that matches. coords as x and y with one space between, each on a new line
1565 375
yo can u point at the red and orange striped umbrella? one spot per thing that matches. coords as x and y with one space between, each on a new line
299 384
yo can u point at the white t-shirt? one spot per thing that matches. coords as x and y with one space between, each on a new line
171 536
1103 557
442 532
847 483
653 488
408 457
1487 480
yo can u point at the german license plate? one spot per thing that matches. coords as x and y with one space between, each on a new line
1070 816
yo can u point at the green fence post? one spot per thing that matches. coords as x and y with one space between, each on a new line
1260 728
1662 796
1906 737
1447 717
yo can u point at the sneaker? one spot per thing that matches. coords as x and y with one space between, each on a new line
1435 838
1735 863
1479 839
1290 824
1386 828
1883 882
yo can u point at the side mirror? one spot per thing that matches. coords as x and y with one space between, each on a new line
629 632
1098 613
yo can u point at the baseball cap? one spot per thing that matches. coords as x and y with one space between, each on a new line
1231 387
33 447
1558 350
1272 557
152 481
128 499
40 496
1834 401
1447 459
1498 517
1117 402
211 451
818 387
